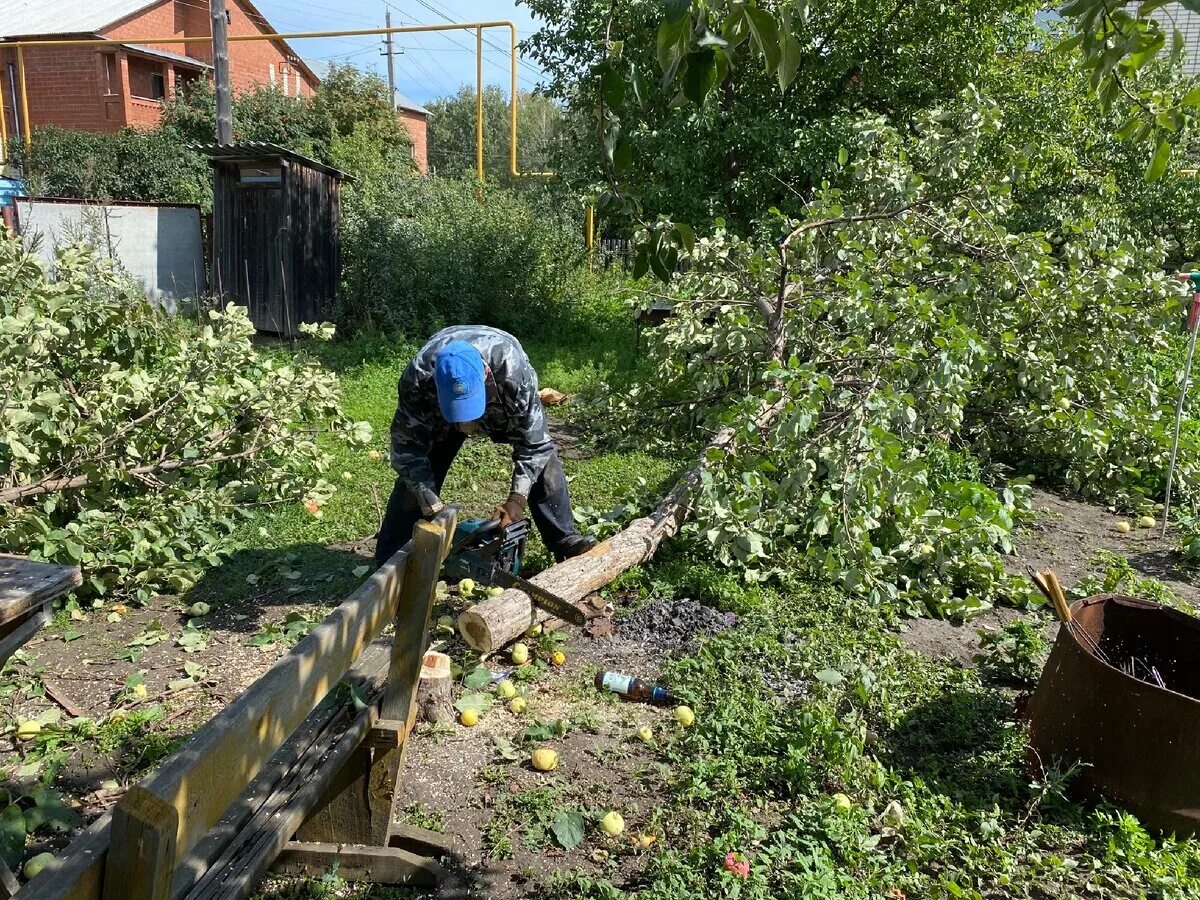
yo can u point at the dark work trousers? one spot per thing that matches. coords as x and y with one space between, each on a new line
549 504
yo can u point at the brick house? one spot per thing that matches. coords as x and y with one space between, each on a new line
107 88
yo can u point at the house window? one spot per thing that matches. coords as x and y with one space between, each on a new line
146 79
111 79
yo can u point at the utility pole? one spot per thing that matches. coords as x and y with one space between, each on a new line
391 62
220 39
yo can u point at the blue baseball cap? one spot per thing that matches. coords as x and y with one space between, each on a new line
458 374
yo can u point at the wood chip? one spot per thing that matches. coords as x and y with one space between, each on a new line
56 694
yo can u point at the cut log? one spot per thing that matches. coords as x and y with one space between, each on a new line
489 625
435 697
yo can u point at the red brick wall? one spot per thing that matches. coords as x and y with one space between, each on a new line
416 125
66 85
249 61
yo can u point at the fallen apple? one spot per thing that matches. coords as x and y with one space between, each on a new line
1121 528
517 705
685 717
35 864
558 657
545 760
466 587
1146 521
28 730
469 717
612 823
520 654
505 690
646 734
842 802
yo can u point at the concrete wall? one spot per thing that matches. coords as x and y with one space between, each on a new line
159 246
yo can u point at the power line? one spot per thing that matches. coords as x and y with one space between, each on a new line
447 36
450 16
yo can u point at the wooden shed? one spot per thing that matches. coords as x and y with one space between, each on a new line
276 242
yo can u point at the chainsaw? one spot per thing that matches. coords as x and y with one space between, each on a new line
491 554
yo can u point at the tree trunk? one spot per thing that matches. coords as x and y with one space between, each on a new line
489 625
435 700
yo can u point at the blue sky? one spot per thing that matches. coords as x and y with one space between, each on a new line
430 65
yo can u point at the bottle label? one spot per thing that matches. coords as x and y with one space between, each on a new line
617 683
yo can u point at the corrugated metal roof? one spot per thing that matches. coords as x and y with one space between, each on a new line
255 150
29 17
404 102
165 54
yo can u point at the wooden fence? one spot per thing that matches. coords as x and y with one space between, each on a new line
293 770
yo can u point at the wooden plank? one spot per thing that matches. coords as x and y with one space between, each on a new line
160 819
310 741
411 634
25 584
242 865
357 807
77 873
355 862
19 630
420 840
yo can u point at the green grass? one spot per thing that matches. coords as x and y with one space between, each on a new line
774 743
368 369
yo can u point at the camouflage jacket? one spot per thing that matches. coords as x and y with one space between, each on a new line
514 411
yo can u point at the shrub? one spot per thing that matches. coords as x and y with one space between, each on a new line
424 253
131 440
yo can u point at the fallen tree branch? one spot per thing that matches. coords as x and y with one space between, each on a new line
51 485
489 625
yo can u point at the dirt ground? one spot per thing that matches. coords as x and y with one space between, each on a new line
1063 536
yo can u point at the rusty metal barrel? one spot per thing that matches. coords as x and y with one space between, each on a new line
1139 741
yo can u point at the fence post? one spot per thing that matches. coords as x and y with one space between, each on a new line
357 807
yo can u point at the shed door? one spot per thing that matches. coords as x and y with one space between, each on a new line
265 245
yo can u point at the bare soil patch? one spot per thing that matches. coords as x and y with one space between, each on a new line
1064 536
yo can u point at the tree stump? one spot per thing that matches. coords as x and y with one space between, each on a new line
435 701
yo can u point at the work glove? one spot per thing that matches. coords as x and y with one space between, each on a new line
511 510
431 503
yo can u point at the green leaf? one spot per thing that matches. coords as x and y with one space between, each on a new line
1158 163
789 55
567 828
675 9
699 75
1192 97
612 86
506 749
672 42
481 703
478 678
623 155
765 33
12 836
830 676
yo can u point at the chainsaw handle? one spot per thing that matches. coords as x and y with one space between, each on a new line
471 539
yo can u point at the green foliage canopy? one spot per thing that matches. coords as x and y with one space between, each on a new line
130 439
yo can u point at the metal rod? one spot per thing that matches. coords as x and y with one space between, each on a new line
512 113
298 35
3 120
1187 371
24 98
479 102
